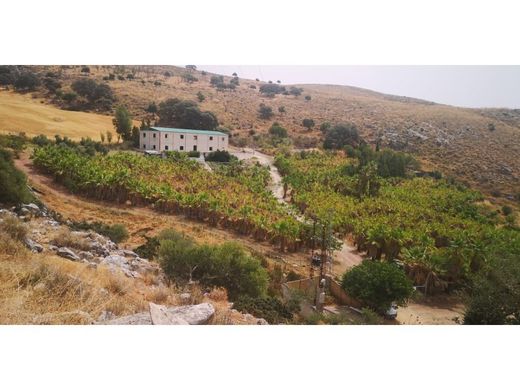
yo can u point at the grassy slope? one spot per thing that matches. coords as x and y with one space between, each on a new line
22 113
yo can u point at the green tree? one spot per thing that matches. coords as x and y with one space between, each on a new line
200 97
123 123
308 123
13 183
377 284
27 81
495 294
185 114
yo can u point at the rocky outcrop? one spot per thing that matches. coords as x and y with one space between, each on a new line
67 253
161 315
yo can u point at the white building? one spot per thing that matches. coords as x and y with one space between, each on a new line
182 140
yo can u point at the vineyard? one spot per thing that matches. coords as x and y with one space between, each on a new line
234 196
439 229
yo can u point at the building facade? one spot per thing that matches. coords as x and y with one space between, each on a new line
182 140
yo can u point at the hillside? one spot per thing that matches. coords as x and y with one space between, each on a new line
456 141
22 113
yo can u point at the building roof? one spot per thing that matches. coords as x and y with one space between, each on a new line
190 131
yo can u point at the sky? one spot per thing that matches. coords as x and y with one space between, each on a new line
464 86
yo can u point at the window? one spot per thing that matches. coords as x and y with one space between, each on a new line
182 136
211 138
144 147
165 147
181 147
144 135
165 135
194 148
223 138
153 146
211 148
154 135
195 137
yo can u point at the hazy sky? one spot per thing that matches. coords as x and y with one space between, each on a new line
465 86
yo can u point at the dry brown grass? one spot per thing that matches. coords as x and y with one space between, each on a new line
13 227
45 289
22 113
64 237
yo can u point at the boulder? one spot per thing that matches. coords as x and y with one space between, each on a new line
67 253
134 319
84 255
33 246
194 314
160 315
32 208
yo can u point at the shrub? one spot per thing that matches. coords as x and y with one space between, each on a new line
194 153
26 81
308 123
507 210
14 228
377 284
13 183
64 237
265 112
276 130
295 91
219 156
325 126
272 309
341 135
85 69
200 97
117 232
41 140
308 98
271 89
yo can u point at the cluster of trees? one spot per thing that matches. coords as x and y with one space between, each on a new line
220 156
277 130
227 265
185 114
98 95
341 135
219 83
20 78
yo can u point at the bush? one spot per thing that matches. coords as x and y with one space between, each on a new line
41 140
271 89
377 284
276 130
27 81
14 228
308 98
13 183
273 310
265 112
219 156
295 91
117 232
226 265
308 123
495 294
200 97
341 135
194 153
507 210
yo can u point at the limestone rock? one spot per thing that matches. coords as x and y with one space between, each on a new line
160 315
67 253
194 314
33 246
134 319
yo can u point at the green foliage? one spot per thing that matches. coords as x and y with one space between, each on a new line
377 284
325 126
237 196
495 294
265 112
272 309
123 123
308 123
13 183
219 156
308 98
295 91
41 140
200 97
100 94
341 135
226 265
185 114
152 108
189 78
277 130
507 210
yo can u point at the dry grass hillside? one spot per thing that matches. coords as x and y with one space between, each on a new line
457 141
22 113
